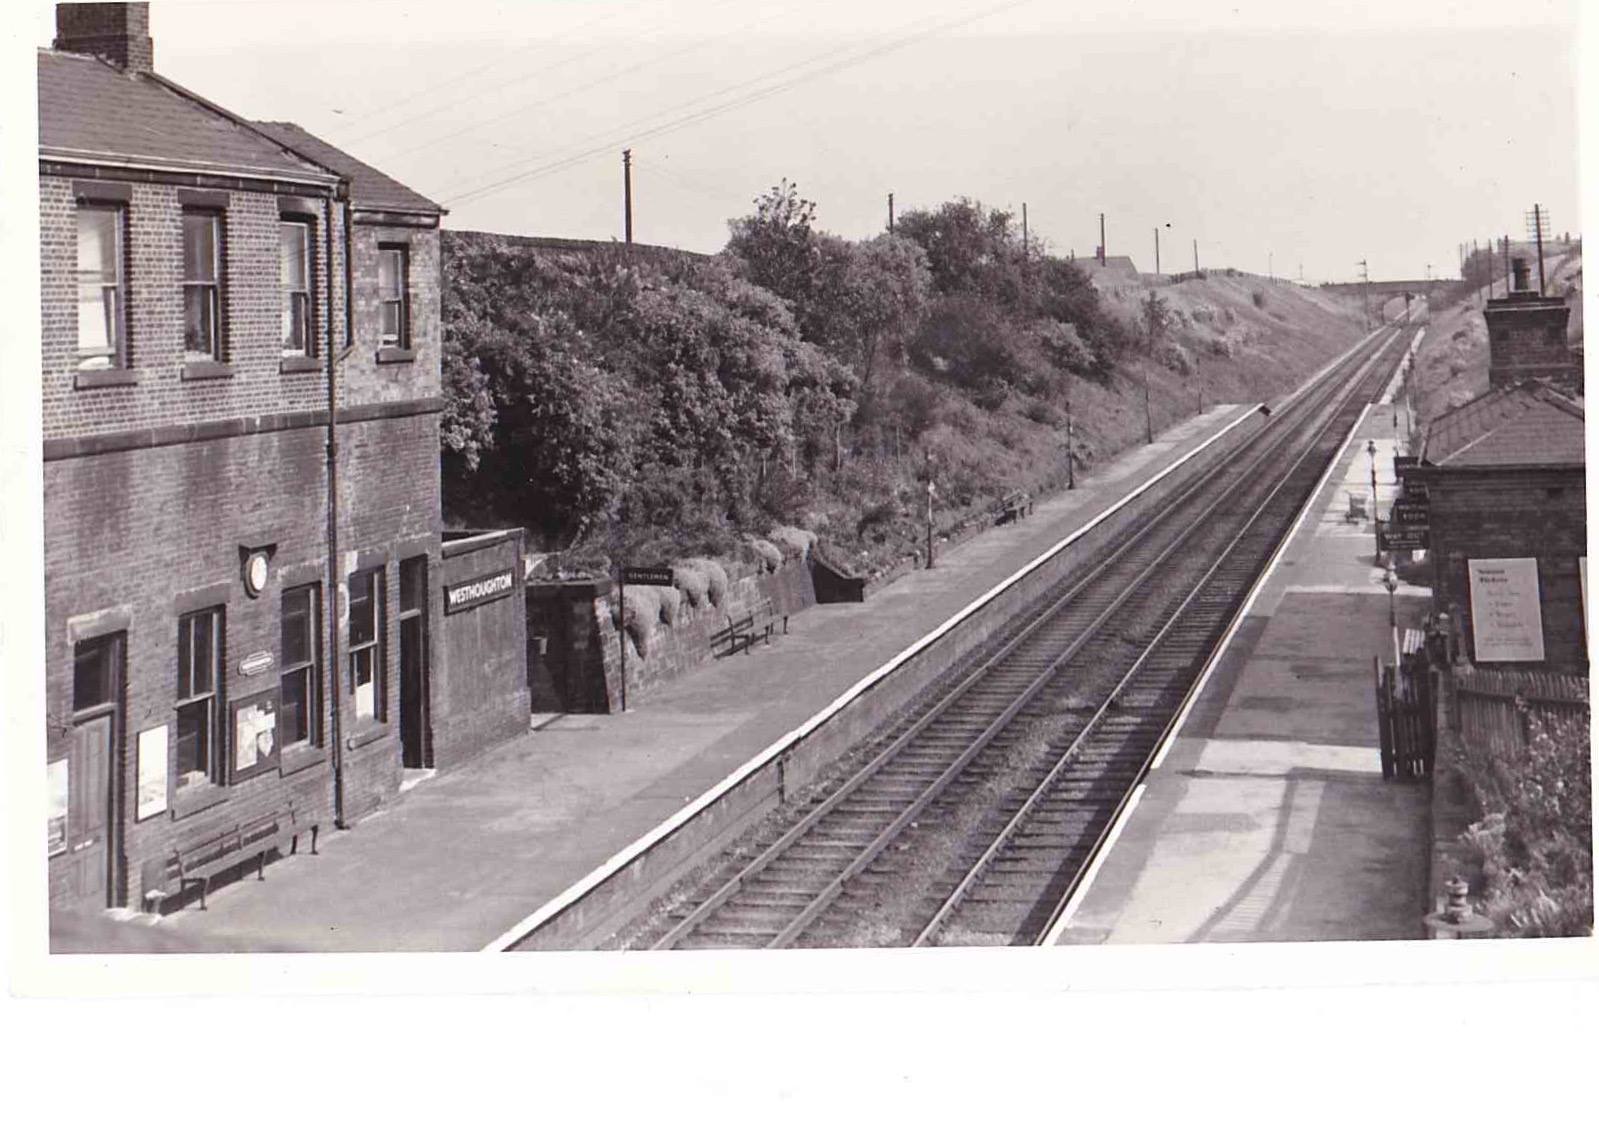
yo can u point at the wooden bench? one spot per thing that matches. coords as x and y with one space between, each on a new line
769 616
200 861
738 634
1012 507
742 633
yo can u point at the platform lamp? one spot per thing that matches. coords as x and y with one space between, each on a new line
931 491
1071 476
1371 451
1390 583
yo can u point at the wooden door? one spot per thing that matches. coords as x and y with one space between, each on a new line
89 807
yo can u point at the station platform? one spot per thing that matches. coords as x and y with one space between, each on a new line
459 860
1267 818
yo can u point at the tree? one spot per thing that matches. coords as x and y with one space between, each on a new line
1157 317
971 252
883 296
777 244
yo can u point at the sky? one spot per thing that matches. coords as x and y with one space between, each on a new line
1299 138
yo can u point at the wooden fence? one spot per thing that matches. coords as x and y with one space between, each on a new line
1496 708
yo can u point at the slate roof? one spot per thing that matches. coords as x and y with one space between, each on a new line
368 187
1522 425
89 110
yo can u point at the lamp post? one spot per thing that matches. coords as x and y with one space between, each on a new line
1390 583
931 491
1071 474
1371 451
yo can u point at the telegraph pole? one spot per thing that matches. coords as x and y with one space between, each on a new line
890 213
1024 229
627 193
1102 252
1537 220
1157 250
1365 293
1196 257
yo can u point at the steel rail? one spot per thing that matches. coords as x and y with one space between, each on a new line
1036 622
1006 835
936 788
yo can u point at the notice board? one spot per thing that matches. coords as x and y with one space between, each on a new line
1506 615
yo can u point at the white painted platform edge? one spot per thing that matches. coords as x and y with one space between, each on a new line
1175 732
643 844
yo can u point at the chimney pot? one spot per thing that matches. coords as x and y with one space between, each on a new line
1520 271
118 33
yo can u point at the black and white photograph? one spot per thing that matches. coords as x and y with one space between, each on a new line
966 494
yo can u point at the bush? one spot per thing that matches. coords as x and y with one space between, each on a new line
671 602
1535 840
1258 297
715 579
794 542
691 579
878 514
767 554
1041 412
641 611
968 340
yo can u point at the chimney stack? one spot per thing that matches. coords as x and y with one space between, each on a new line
118 33
1519 269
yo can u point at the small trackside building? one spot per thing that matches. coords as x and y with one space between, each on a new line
241 396
1503 480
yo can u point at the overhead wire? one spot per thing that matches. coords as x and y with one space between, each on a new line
514 82
635 135
523 108
517 55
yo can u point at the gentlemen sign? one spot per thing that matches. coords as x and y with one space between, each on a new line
1506 617
646 575
479 591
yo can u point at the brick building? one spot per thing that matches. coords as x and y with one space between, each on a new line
1502 478
241 351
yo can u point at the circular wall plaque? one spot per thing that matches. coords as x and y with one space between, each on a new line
255 573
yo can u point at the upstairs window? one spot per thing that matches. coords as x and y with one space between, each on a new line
100 288
294 273
202 285
394 303
199 689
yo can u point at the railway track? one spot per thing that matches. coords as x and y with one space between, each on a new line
972 817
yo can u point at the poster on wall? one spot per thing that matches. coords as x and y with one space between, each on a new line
152 772
56 821
255 734
1506 616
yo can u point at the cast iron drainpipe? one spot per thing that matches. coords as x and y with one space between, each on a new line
331 607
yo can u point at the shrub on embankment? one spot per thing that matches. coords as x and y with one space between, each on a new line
652 407
1534 842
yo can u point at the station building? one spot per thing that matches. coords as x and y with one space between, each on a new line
241 393
1502 479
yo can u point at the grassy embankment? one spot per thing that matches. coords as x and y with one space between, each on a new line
1235 338
1452 365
